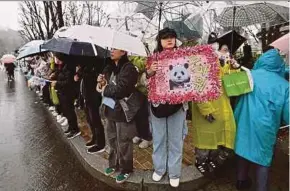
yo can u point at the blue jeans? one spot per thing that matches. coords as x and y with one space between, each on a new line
168 135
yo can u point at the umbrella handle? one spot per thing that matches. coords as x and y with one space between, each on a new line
234 17
94 48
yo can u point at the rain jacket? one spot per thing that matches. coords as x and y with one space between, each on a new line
259 114
140 64
222 131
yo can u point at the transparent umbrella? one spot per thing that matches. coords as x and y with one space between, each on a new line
250 14
31 48
150 17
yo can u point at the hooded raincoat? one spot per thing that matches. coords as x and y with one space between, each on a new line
260 113
222 131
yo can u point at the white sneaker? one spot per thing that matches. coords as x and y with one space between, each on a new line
51 108
156 177
65 123
54 113
174 182
61 120
145 144
58 117
136 140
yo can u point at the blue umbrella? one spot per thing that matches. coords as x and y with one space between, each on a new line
31 48
73 47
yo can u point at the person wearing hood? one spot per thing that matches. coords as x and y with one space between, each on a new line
259 115
213 122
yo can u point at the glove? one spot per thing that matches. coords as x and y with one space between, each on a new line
210 118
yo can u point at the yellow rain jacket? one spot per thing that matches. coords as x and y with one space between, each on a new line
222 131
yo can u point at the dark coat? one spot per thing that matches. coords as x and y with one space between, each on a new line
88 74
65 81
124 87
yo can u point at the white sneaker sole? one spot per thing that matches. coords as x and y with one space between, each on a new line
121 182
90 146
74 136
100 151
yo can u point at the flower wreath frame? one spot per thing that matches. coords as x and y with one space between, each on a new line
171 98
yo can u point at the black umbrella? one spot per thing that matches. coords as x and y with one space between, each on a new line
74 47
232 39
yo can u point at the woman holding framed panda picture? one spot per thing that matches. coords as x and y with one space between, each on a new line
168 123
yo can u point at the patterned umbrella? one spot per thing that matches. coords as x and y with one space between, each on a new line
245 15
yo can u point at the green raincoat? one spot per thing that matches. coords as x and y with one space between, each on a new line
140 64
222 131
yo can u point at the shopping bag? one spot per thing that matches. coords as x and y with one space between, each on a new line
53 96
238 83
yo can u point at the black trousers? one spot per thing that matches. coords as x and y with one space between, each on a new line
120 135
142 122
68 110
46 95
58 109
95 123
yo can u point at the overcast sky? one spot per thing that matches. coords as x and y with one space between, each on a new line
9 12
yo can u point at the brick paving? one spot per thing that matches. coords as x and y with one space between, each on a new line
224 181
142 157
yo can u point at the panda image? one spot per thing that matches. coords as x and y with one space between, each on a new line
178 76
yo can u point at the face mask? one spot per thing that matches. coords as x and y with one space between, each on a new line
215 46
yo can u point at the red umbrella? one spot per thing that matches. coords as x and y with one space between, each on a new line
8 59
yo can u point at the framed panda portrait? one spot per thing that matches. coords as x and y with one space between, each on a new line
185 74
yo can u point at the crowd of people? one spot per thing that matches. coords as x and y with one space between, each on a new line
115 89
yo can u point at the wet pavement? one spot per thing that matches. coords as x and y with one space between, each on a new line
33 157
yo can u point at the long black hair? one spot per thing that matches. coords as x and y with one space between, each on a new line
163 34
61 57
68 62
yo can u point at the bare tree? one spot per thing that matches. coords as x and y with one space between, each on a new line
96 14
74 13
59 14
39 20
